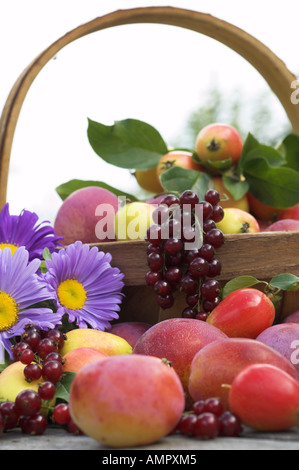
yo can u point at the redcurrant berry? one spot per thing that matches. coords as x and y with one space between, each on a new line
27 402
61 413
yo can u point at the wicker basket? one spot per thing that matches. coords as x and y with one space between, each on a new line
262 255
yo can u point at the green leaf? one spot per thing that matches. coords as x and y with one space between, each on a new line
237 188
273 157
289 148
179 179
240 282
128 144
249 144
252 149
278 187
63 386
285 281
216 167
65 189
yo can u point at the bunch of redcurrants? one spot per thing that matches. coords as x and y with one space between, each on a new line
33 410
181 251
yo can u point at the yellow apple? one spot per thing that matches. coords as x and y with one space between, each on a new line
103 341
238 221
75 359
132 221
12 381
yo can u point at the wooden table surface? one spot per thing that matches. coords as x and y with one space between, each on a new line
59 439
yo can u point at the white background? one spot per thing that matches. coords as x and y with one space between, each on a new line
150 72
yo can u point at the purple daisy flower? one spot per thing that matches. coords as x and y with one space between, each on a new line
85 285
21 230
21 289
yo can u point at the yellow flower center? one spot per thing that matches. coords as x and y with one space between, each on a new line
71 294
13 248
8 311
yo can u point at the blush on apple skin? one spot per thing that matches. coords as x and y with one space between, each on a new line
219 141
177 340
127 401
77 358
130 331
218 363
283 225
76 218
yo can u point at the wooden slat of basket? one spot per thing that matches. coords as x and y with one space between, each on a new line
262 255
261 57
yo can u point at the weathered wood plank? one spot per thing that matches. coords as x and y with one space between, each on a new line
58 439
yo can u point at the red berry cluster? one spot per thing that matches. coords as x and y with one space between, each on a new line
39 351
208 420
172 265
32 411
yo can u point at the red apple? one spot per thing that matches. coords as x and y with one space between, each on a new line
283 225
243 313
178 158
238 221
87 215
77 358
290 213
219 142
127 401
177 340
218 363
262 211
130 331
265 398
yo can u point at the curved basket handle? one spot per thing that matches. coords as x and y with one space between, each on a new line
274 71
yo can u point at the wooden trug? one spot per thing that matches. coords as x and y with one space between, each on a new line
261 255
